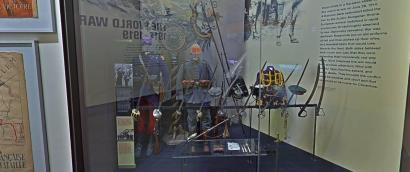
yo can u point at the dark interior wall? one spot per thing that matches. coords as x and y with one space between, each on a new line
101 138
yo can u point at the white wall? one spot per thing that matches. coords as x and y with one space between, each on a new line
55 101
363 128
55 95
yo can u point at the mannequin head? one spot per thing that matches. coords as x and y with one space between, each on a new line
196 51
149 46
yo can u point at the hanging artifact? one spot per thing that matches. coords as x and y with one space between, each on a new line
239 89
270 87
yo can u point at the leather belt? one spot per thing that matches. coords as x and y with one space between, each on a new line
187 84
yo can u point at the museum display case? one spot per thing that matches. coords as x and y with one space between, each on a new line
170 76
250 85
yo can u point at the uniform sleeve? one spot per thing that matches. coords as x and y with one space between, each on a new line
209 71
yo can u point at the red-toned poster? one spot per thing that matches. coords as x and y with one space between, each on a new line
18 8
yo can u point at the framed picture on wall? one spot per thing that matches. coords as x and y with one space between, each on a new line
22 124
26 16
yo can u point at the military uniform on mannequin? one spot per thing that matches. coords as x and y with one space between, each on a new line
193 80
156 82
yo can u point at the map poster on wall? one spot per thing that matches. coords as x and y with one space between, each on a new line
15 139
18 8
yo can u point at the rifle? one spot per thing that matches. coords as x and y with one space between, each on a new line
157 113
176 116
222 113
135 112
146 76
199 112
228 81
218 116
157 146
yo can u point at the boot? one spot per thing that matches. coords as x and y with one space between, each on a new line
150 146
138 147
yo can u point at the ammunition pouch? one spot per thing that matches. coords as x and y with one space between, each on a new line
189 84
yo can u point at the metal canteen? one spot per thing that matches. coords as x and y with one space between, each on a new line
157 114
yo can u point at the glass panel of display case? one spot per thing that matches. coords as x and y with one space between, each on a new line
248 85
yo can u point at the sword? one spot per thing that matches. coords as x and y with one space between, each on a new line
199 112
300 79
318 108
303 109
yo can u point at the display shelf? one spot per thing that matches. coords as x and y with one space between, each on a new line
218 148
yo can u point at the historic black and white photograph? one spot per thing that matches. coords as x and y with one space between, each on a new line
123 75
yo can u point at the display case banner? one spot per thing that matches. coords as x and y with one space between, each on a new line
119 32
125 141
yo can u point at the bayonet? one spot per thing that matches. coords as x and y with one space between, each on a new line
216 46
219 33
